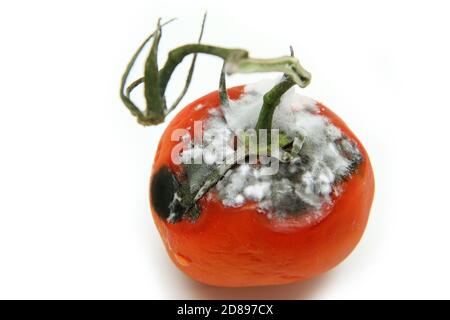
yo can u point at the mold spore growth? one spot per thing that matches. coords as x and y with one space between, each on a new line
306 182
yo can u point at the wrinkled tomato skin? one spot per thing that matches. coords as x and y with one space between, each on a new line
240 247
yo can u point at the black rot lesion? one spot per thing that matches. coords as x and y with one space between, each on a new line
173 199
163 187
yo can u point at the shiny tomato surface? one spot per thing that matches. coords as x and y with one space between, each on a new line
238 247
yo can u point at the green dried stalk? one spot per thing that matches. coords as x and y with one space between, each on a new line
156 80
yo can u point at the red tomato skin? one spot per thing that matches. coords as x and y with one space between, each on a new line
241 247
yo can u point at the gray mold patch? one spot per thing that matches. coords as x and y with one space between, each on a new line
323 157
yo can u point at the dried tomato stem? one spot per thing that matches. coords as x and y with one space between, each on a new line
272 98
156 80
270 101
125 94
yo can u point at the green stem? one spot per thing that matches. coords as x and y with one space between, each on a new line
156 103
190 72
290 66
272 98
125 94
177 55
235 60
270 101
223 94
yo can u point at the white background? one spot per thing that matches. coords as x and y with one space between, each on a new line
74 165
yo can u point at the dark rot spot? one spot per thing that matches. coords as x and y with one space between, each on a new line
162 189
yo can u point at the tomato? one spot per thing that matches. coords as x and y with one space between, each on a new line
238 247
